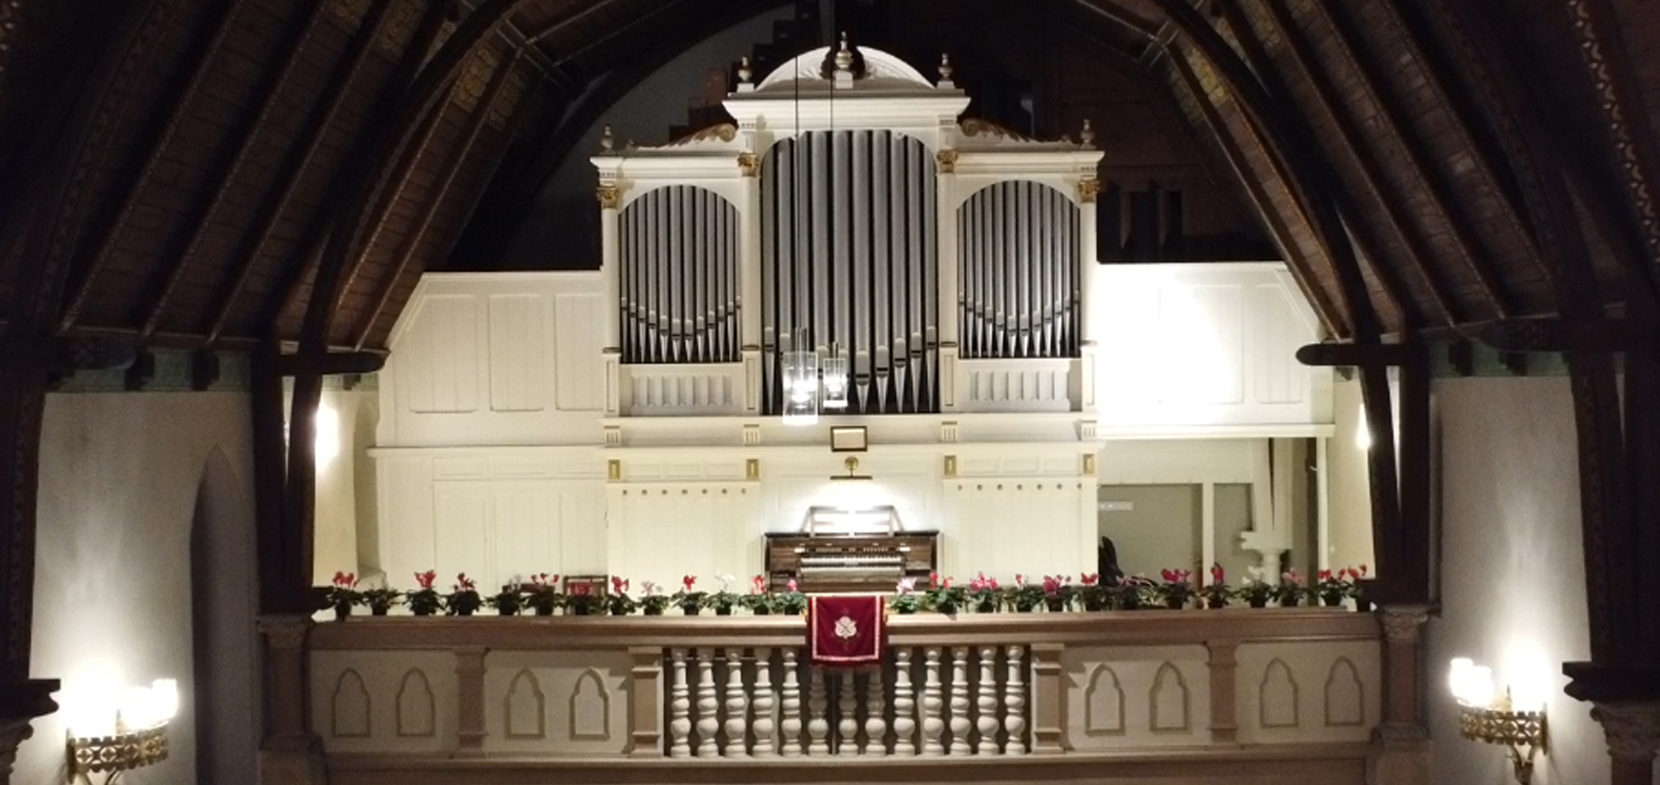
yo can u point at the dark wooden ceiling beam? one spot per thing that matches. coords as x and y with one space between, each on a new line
330 363
1417 252
560 23
1147 29
179 261
1458 223
1369 250
1417 37
1298 263
297 163
423 223
177 99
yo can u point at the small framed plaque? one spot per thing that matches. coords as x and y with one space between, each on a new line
848 438
597 584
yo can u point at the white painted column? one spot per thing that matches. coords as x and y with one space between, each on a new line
960 723
737 705
1089 281
946 245
876 723
789 725
763 704
749 273
933 727
1322 503
985 700
610 268
680 708
904 704
847 711
1207 531
818 723
1014 701
708 703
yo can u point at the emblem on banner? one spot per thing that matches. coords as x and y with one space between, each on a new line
846 628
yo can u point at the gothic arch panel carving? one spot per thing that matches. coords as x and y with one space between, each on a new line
1277 696
1169 700
590 707
349 707
416 710
1345 697
1104 703
525 707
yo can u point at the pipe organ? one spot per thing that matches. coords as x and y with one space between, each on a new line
852 227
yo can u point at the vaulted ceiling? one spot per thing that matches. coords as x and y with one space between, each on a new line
213 173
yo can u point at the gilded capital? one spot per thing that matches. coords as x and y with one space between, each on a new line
284 632
947 160
748 164
609 196
1403 624
1087 189
1632 729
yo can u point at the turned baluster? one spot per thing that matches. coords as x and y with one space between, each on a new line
847 715
904 704
737 705
818 723
764 701
708 703
985 698
876 724
1014 701
959 701
680 707
789 725
932 726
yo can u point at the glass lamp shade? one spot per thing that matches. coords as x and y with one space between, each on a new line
801 388
834 372
164 699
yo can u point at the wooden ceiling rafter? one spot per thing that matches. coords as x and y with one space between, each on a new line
228 173
180 96
423 222
1418 37
296 163
1369 247
1346 38
1277 229
560 23
306 254
1417 252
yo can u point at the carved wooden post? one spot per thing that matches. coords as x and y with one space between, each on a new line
789 725
1400 745
904 704
1633 732
1224 724
646 701
737 705
959 721
985 700
708 703
932 726
1014 702
680 709
763 704
290 753
469 700
1048 700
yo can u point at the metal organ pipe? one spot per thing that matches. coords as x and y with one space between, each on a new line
1018 250
678 277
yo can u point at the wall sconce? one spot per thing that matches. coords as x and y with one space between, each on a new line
139 737
1482 716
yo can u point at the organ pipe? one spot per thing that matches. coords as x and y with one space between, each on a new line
1018 253
678 273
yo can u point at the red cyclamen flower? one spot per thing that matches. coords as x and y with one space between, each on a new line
758 584
689 581
425 579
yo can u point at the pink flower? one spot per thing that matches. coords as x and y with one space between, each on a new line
1019 580
1090 579
758 584
933 580
345 580
792 585
581 589
425 579
907 585
1292 577
945 584
1325 575
619 585
464 583
689 581
1217 574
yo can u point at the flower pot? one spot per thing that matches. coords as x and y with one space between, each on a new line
422 611
762 610
904 610
1055 604
1175 603
506 611
378 610
792 612
463 611
723 611
986 606
947 608
690 609
1332 602
652 611
1129 600
1024 607
1216 602
1094 605
544 610
580 610
1363 605
1290 602
1258 602
342 610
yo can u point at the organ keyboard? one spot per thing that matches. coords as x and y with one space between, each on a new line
850 563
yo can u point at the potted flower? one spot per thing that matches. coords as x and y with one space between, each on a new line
1091 592
1357 589
906 601
1057 592
1256 590
1177 588
1135 592
1291 589
424 601
725 600
652 599
942 596
379 600
464 598
342 594
792 602
620 603
984 593
1331 588
688 599
1023 596
759 601
582 600
508 601
542 593
1217 593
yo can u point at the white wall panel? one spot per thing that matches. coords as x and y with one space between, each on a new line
518 352
577 323
442 374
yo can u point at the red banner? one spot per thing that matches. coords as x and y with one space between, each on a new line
846 631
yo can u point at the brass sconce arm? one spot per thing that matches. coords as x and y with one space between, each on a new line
1523 732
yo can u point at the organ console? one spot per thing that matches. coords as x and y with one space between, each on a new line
850 562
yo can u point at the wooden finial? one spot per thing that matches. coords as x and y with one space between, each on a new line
1088 134
844 55
607 142
945 67
745 73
